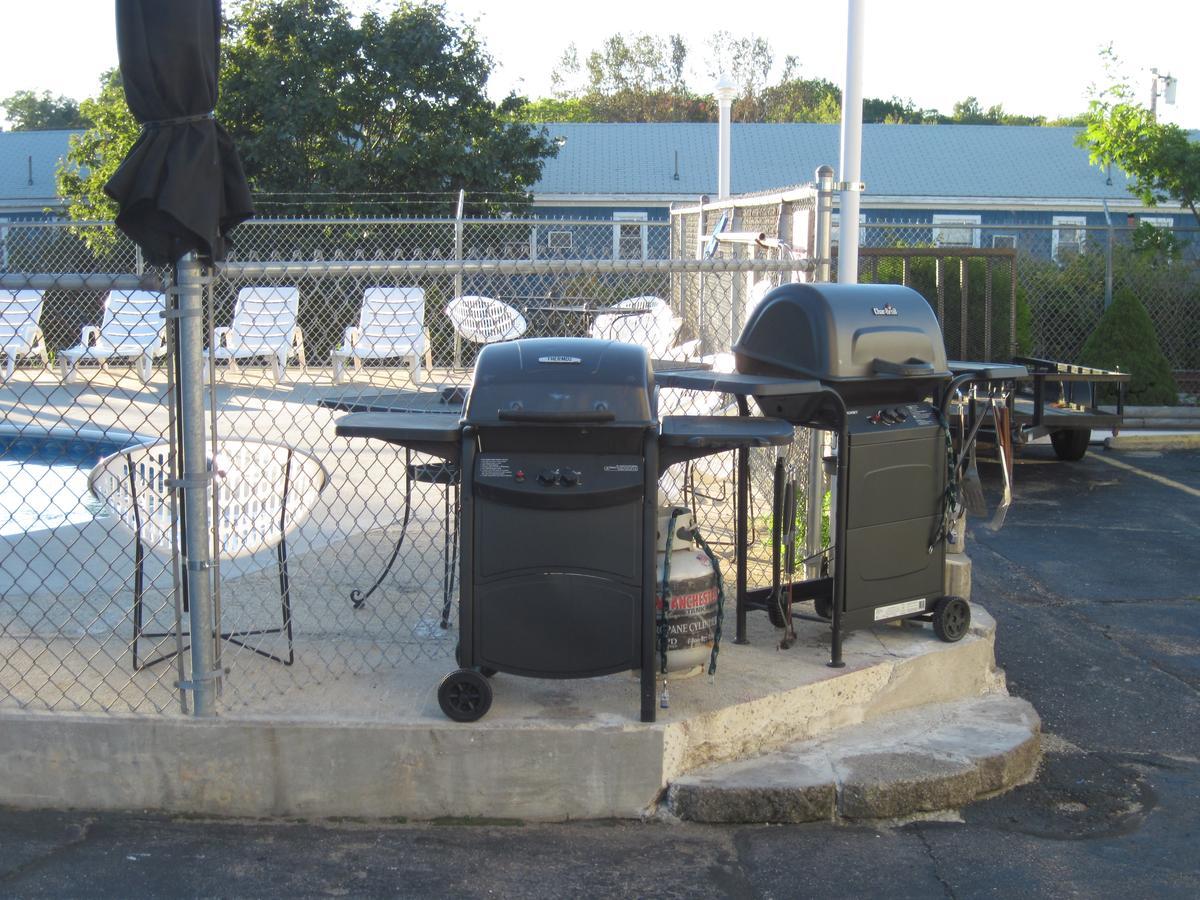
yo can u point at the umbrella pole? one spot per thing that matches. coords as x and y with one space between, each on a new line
195 476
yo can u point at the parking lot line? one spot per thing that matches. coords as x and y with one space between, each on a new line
1159 478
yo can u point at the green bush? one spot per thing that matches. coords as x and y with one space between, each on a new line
1125 339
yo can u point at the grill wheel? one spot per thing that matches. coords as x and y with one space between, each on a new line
465 695
951 618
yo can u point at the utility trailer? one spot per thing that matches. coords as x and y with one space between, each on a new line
1059 399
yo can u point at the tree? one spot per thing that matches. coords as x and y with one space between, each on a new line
801 100
339 118
395 104
27 111
1162 163
748 61
94 155
630 78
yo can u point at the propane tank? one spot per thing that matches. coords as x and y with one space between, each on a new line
691 613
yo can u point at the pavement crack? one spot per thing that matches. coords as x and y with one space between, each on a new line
78 833
937 866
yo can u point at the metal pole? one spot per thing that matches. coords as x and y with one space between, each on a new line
851 163
458 279
725 92
195 480
824 237
1108 258
814 501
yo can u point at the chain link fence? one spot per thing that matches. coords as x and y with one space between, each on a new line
334 561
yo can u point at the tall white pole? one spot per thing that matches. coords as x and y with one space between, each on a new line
725 91
851 167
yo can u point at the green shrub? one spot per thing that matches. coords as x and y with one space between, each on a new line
1125 339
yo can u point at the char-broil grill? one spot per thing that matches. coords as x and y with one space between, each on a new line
868 362
560 450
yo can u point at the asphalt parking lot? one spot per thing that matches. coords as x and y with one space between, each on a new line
1093 586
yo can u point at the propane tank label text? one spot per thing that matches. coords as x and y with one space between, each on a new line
691 619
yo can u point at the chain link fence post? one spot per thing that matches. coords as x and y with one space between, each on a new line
195 477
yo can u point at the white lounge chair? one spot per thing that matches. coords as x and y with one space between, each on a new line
647 321
483 320
264 325
21 328
264 491
132 326
391 325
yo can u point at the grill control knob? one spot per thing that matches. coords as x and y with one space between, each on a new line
568 477
548 476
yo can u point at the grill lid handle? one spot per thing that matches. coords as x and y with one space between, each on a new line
557 417
910 368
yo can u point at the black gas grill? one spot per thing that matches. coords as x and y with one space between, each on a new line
560 451
868 362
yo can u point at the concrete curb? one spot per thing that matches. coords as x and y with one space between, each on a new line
1185 441
526 761
929 759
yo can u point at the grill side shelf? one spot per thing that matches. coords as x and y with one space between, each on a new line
423 432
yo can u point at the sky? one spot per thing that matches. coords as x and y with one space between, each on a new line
1035 57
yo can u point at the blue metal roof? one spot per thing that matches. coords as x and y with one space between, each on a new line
28 160
951 161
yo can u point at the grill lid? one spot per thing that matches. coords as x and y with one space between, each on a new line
843 332
567 381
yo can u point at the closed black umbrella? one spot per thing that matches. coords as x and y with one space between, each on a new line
181 187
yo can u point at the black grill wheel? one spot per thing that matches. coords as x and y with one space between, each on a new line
464 695
951 618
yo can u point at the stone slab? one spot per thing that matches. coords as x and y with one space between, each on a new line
922 760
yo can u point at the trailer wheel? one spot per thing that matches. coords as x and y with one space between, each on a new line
775 610
951 618
823 607
1070 444
464 695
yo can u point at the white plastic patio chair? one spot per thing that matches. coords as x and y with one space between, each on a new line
391 325
264 325
21 328
483 320
132 326
264 490
648 321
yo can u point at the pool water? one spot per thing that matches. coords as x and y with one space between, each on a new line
44 481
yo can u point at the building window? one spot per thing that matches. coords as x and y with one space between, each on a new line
1166 222
1067 237
629 235
956 230
560 240
835 229
1005 241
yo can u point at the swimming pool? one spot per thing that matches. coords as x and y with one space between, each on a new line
44 480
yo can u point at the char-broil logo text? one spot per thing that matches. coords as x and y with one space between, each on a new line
886 310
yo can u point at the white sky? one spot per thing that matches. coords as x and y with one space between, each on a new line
1032 56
